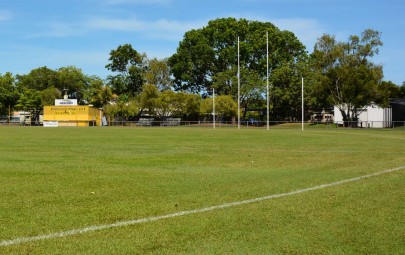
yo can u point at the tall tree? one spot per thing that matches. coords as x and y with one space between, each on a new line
129 66
158 74
74 81
285 91
30 101
385 91
37 89
347 75
8 93
286 94
98 94
210 54
207 58
39 79
49 95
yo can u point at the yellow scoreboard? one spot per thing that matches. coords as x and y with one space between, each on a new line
78 115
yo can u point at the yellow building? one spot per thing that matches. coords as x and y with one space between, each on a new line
72 116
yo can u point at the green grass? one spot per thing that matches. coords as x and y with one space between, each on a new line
59 179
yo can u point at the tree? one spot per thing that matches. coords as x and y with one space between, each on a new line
8 93
347 75
122 109
401 93
385 91
148 98
207 58
30 101
98 94
285 91
75 81
225 107
68 78
252 91
192 63
158 74
36 90
49 95
38 79
165 104
169 103
187 105
286 94
128 63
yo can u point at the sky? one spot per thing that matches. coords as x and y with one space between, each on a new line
82 33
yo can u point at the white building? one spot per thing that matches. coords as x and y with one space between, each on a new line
371 117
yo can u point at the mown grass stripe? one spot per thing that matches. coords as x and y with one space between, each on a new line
206 209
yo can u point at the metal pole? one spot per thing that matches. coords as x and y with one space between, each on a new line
302 103
267 81
213 106
238 87
9 114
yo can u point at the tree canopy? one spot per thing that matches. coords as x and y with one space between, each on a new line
208 57
8 93
348 77
128 64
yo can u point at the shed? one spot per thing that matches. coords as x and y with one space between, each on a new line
371 116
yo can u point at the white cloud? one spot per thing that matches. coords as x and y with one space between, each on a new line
161 29
143 2
57 29
306 30
116 24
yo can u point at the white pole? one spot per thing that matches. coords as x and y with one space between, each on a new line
302 103
213 106
238 87
267 81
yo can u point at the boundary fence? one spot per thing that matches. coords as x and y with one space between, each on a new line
263 124
176 122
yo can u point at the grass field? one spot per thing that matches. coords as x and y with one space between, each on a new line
61 179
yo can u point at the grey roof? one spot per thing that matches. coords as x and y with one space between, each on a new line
400 101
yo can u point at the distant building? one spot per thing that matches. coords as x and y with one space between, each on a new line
374 116
324 116
66 112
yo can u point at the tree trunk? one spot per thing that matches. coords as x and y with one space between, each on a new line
345 117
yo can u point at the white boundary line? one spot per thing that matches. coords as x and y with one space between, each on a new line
206 209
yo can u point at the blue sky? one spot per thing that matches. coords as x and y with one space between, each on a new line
83 32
